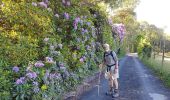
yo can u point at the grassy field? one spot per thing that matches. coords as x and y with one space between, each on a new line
158 62
163 72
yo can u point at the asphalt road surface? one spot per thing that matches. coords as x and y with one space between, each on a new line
136 82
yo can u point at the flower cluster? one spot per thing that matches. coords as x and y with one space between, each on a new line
39 64
21 80
83 31
119 29
66 16
75 23
31 75
43 4
66 2
49 60
82 59
15 69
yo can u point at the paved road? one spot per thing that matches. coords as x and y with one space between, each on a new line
136 83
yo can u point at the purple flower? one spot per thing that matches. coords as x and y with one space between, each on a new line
68 3
35 83
82 31
52 76
75 23
66 15
31 75
120 30
77 19
88 23
49 60
86 31
36 90
46 1
75 26
34 4
82 59
43 4
63 1
39 64
15 69
87 47
20 81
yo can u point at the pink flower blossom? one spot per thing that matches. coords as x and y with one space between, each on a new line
43 4
68 3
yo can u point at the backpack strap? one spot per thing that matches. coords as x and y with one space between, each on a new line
104 56
111 53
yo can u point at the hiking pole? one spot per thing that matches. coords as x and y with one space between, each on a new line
98 85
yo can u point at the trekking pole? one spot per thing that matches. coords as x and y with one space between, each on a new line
98 85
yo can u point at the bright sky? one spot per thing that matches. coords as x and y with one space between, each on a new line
155 12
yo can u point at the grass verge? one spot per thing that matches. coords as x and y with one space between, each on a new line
163 72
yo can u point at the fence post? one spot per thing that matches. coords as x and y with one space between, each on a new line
163 55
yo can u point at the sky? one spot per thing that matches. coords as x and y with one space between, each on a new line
155 12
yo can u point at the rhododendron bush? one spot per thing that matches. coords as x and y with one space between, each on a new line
46 47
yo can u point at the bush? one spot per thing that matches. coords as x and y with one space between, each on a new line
46 48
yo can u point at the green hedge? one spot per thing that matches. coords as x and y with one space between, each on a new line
31 34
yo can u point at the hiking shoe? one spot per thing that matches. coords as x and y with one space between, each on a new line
115 94
110 92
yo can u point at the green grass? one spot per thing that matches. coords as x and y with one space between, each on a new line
163 72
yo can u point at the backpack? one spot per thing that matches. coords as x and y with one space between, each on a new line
109 59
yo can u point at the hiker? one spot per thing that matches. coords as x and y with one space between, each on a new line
110 60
